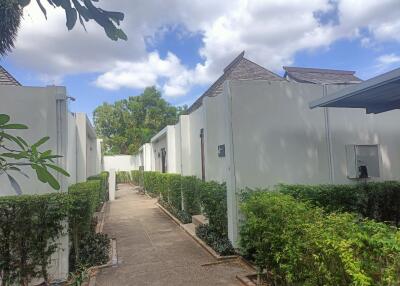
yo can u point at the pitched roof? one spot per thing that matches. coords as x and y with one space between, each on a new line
240 69
6 78
320 76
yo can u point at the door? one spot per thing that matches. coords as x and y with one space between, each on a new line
163 160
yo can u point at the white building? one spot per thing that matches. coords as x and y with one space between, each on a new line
256 132
45 111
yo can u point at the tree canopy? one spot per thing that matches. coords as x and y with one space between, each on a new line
127 124
82 10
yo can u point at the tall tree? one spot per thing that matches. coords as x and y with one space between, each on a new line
129 123
82 10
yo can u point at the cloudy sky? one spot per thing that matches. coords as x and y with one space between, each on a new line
182 46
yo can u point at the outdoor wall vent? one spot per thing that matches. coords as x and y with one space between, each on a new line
362 161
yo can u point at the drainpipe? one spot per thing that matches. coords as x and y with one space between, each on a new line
328 137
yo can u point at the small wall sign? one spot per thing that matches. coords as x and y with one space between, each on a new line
221 150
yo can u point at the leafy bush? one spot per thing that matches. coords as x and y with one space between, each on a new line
174 190
191 194
137 178
213 201
150 183
221 244
84 199
30 226
29 229
302 245
103 178
94 250
379 200
123 177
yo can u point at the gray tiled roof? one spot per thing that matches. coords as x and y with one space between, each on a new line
240 69
320 76
6 78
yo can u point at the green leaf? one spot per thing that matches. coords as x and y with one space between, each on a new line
58 169
40 173
11 155
14 126
23 142
15 185
11 138
52 181
4 118
40 142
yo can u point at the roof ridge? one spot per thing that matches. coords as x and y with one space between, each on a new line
234 62
11 78
317 70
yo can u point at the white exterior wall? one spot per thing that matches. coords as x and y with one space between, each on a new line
72 149
214 132
196 123
81 147
275 138
44 111
86 151
157 145
172 161
48 116
184 147
146 156
121 162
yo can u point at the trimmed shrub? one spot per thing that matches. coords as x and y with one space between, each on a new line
84 199
150 183
174 190
191 194
123 177
300 244
378 200
213 202
103 178
29 228
137 178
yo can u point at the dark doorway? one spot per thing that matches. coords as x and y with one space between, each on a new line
163 160
203 167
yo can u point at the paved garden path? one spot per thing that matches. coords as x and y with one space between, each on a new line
153 250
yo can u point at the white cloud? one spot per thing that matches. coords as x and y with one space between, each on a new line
387 61
271 32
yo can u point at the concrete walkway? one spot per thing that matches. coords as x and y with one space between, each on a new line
153 250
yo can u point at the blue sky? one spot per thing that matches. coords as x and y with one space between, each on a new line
182 49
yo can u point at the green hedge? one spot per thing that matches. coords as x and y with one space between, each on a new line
123 177
29 229
84 200
300 244
379 201
103 178
30 226
191 194
137 178
214 204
